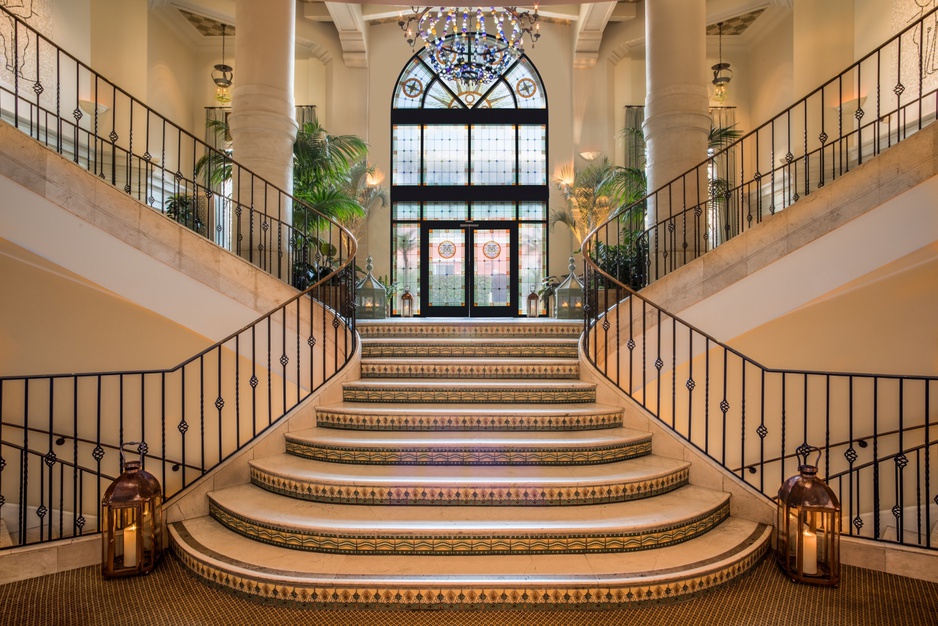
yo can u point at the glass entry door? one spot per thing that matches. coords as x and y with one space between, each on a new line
468 269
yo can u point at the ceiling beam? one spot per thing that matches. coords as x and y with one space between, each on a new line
589 32
348 21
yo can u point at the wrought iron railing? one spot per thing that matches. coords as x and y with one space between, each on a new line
877 432
61 434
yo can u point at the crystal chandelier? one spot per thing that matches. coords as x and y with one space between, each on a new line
472 45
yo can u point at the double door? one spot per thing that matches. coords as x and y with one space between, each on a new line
469 269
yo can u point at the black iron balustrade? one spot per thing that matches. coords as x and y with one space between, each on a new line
59 434
65 105
877 432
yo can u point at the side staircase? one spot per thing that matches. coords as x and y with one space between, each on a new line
469 467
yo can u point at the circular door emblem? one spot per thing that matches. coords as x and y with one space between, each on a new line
491 250
447 249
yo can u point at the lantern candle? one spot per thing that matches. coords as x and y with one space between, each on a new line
809 553
130 546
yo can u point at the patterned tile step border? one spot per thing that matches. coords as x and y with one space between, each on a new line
515 370
362 392
374 348
477 495
469 543
367 420
476 455
546 593
483 330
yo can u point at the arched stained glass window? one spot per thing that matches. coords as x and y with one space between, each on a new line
469 189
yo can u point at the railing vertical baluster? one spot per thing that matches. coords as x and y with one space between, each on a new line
877 531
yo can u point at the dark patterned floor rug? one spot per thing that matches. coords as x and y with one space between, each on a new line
170 596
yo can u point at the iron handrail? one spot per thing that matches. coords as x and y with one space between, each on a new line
721 402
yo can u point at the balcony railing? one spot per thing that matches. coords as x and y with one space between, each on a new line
60 435
878 433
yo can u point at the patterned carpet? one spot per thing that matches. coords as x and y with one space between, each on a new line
171 596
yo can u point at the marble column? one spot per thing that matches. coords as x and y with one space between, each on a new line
677 120
262 123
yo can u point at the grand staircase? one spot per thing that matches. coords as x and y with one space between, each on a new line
469 467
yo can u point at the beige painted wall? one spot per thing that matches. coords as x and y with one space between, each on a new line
53 321
881 322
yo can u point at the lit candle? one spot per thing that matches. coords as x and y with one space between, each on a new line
809 555
130 546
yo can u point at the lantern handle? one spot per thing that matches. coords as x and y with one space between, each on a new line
141 449
804 451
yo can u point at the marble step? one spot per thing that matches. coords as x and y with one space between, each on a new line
423 328
412 391
476 368
471 347
318 580
467 447
673 517
476 417
320 481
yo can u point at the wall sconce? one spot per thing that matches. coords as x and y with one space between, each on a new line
808 527
722 74
223 74
407 303
590 156
131 520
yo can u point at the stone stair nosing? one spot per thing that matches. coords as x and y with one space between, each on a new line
468 391
523 348
475 368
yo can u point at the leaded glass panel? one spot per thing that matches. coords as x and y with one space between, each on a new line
532 158
446 155
527 86
493 154
447 273
492 269
439 97
405 211
405 155
532 257
482 211
532 211
414 82
406 253
499 97
446 211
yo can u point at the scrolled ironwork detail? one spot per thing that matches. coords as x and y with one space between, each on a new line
97 453
311 341
49 459
690 384
38 88
899 89
284 359
901 461
183 427
220 403
41 511
857 523
253 382
630 344
724 406
762 431
851 455
659 363
113 136
896 511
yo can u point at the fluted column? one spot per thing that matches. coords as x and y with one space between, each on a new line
262 121
677 119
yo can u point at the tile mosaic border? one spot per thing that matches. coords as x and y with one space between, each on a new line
534 394
421 329
498 594
474 455
375 420
373 348
476 495
463 370
468 543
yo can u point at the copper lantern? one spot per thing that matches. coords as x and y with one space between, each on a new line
407 303
534 305
808 526
131 520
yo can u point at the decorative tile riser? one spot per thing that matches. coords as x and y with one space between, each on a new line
374 421
424 330
471 396
471 456
453 596
468 370
476 349
473 496
468 544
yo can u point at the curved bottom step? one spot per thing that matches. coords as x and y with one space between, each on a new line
539 581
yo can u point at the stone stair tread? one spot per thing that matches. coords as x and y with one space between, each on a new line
471 341
644 468
233 553
474 360
273 510
466 384
465 439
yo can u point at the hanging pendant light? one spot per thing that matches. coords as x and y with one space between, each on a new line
722 74
223 74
